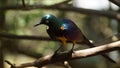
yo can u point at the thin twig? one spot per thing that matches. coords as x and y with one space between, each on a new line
25 37
11 64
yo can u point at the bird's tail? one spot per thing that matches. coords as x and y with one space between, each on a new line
87 42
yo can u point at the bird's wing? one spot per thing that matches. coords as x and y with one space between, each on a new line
70 30
69 23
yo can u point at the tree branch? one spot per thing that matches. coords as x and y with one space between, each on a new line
25 37
116 2
23 3
107 14
49 59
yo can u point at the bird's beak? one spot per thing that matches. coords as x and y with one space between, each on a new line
37 24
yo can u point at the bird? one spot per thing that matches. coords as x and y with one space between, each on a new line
64 29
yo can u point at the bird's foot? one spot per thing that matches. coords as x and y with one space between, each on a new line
71 51
56 53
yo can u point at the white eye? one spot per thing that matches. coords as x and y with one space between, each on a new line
47 27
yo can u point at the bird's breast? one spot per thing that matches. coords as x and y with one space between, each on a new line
54 33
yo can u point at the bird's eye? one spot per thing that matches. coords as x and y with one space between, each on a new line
47 21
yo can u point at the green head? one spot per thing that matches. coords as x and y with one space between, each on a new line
47 20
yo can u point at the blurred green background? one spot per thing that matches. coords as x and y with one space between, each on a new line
20 22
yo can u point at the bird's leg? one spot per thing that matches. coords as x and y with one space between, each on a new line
63 40
72 49
56 52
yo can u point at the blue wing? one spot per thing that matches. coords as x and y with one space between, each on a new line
71 31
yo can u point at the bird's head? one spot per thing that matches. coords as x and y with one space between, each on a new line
46 20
